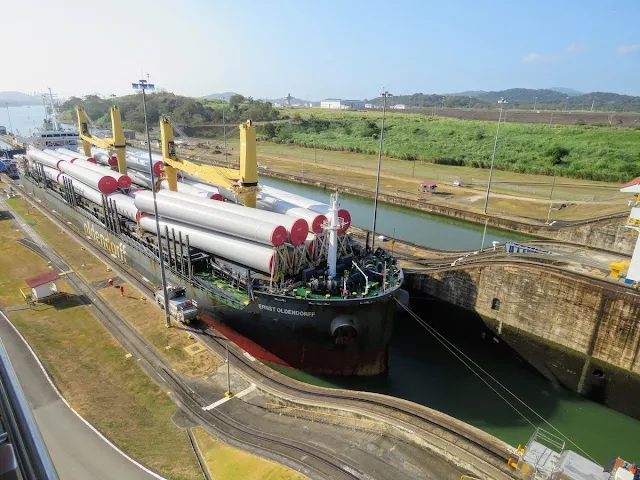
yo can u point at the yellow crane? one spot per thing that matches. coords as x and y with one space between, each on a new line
116 144
243 182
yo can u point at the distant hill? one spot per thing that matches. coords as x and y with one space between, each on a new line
424 100
567 91
220 96
17 99
524 95
520 97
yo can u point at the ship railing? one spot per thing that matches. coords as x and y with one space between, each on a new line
312 415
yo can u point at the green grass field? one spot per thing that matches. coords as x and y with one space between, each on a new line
587 152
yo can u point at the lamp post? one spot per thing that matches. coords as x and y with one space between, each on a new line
493 157
535 100
384 94
144 85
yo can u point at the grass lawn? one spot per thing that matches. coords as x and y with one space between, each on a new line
90 367
228 463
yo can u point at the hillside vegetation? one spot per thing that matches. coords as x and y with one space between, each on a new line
181 110
595 153
520 98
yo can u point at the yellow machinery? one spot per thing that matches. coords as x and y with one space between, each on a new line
117 144
243 182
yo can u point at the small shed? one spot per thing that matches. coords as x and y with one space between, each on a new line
43 285
428 187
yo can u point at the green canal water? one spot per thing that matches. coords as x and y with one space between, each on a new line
423 371
422 228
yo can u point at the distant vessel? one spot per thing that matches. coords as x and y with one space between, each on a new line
51 133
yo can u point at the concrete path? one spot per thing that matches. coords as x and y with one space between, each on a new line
76 450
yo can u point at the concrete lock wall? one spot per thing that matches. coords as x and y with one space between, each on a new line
584 334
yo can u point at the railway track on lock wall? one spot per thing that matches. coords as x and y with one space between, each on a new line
409 416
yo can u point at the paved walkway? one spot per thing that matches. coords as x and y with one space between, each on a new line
78 453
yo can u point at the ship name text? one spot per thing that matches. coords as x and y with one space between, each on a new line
286 311
118 250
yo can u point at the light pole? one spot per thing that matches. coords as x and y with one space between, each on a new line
384 94
493 157
535 101
9 115
566 104
144 86
551 196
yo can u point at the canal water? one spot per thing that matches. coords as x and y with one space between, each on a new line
24 120
423 371
429 230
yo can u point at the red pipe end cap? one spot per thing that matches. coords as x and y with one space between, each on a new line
299 231
217 196
316 225
278 236
124 181
113 161
107 184
346 216
91 160
157 168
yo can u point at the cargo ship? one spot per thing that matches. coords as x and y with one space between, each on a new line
281 277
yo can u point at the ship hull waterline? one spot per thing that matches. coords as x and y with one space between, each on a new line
292 332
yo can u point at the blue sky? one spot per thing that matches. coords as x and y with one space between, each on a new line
324 49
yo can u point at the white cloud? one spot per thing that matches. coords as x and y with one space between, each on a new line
626 49
555 57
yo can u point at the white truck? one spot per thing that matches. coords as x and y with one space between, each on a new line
180 307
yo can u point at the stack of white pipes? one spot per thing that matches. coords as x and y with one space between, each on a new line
306 203
103 183
124 181
297 228
209 217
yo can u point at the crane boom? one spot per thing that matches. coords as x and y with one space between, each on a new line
116 143
243 182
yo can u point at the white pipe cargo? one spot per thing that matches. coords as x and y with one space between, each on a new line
253 255
188 190
139 178
204 187
210 218
273 204
141 162
123 180
308 203
296 227
104 183
103 157
81 156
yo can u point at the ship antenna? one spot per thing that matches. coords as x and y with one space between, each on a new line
384 94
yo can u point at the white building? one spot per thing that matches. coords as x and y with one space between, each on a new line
369 105
399 106
337 103
43 285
